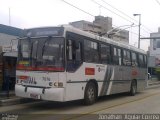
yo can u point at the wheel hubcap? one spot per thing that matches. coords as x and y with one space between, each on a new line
134 88
91 93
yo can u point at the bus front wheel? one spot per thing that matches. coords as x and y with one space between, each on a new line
90 94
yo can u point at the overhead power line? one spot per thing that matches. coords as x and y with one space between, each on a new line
157 2
127 15
88 13
119 10
111 11
78 8
120 15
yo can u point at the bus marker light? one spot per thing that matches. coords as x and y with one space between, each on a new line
23 77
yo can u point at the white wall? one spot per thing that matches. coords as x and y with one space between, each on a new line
6 39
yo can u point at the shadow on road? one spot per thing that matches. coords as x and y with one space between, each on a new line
41 106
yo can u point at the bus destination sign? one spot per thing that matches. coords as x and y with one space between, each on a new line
47 31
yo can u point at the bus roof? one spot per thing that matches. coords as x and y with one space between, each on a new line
99 38
57 31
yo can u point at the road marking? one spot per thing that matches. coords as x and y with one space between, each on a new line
104 108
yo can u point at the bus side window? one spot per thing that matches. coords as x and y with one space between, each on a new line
70 57
74 55
114 55
134 59
119 57
145 61
78 53
91 53
105 54
126 58
141 62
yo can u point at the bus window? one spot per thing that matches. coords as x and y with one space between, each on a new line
145 61
91 51
134 59
126 58
78 56
69 50
74 55
141 62
116 56
119 57
105 53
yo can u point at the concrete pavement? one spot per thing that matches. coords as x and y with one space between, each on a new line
10 99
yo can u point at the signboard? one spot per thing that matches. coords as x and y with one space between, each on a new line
46 31
6 48
9 48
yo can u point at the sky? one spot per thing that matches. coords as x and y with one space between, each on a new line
37 13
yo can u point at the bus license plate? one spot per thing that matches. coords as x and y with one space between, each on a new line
35 96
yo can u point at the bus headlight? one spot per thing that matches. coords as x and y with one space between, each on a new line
58 84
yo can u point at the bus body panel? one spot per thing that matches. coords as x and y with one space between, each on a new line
40 85
52 94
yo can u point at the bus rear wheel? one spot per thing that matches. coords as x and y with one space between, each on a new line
133 88
90 94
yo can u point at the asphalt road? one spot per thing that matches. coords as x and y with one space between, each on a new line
145 102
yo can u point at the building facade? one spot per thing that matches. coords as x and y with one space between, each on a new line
154 52
7 34
102 25
87 26
8 41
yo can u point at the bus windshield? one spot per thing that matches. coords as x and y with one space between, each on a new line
44 53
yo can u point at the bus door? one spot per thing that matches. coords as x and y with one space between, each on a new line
126 76
74 68
117 82
117 61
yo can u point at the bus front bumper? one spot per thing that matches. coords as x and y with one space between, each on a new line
51 94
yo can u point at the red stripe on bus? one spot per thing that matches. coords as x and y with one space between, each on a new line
22 67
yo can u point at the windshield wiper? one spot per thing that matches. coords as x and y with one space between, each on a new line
30 60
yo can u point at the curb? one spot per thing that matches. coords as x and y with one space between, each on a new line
154 83
151 85
14 101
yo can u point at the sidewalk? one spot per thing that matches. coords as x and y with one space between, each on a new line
6 100
153 83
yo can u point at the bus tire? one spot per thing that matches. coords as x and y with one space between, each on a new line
90 94
133 88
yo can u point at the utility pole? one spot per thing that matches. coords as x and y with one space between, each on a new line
9 17
139 27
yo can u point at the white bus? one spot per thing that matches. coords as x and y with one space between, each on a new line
64 63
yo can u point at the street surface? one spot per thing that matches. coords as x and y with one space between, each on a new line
145 102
